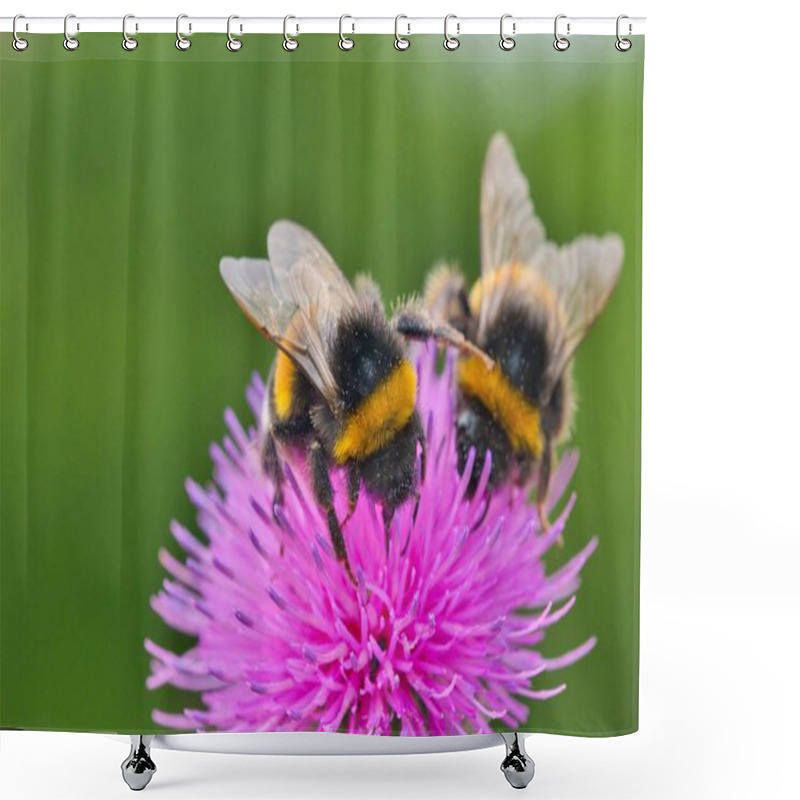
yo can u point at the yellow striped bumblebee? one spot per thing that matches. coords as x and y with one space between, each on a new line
340 385
530 309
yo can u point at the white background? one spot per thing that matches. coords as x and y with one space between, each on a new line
720 612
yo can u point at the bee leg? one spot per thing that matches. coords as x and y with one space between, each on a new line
271 464
413 322
353 490
323 492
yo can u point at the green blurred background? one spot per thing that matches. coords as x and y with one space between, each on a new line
124 177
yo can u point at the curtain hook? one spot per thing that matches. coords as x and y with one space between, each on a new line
561 43
128 42
18 43
181 42
70 42
401 42
234 44
623 45
290 44
451 42
507 42
345 42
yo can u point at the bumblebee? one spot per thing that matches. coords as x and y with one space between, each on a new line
529 311
340 387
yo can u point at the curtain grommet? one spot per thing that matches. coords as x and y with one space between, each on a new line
233 44
129 43
507 42
290 43
561 43
622 44
70 42
18 43
345 42
401 43
181 42
451 43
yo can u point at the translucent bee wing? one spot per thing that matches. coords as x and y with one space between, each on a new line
583 274
289 307
296 251
307 275
249 281
511 233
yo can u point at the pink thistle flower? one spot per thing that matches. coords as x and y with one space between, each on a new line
440 636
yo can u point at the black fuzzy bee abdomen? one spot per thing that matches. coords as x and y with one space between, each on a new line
365 352
517 341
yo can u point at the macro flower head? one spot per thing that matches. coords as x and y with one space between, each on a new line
441 633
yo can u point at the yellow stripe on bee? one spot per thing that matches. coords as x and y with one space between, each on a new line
282 385
518 418
379 418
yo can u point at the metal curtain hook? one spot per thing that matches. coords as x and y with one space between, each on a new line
561 43
289 43
128 42
401 42
451 42
507 42
345 42
623 45
18 43
181 42
70 42
234 44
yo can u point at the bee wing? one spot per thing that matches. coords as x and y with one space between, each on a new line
295 299
511 233
257 289
295 250
583 274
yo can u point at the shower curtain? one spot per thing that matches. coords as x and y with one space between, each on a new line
431 525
